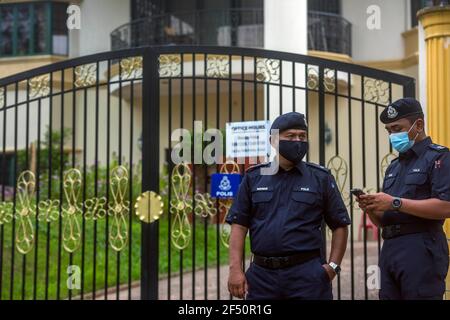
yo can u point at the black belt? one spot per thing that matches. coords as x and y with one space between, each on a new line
287 261
397 230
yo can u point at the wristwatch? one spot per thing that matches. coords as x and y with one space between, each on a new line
396 203
335 267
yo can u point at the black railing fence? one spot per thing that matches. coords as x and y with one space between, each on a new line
231 27
329 32
90 210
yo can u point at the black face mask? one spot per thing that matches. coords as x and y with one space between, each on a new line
294 151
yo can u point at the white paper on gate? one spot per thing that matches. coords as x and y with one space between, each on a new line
247 139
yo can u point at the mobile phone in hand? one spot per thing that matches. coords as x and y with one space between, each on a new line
357 192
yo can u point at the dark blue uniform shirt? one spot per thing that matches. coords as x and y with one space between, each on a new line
284 212
423 172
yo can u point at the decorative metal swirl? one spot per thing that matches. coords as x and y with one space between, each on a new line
119 208
268 70
95 208
204 206
312 82
225 204
329 80
385 162
5 212
48 210
339 169
181 205
376 91
85 75
218 66
170 65
131 68
2 97
25 210
71 211
39 86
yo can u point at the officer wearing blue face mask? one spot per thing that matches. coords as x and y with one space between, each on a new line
412 208
284 210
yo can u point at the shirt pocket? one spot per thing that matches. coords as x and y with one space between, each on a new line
389 181
415 184
303 199
261 199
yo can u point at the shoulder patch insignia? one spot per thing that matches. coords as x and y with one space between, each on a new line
437 164
438 148
317 167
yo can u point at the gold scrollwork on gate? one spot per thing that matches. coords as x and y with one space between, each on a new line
26 184
329 80
170 65
48 210
313 78
119 208
181 206
39 86
218 66
204 206
225 204
85 75
376 91
2 97
6 212
339 169
268 70
71 211
131 68
95 208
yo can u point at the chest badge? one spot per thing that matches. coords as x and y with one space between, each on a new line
262 189
304 188
437 164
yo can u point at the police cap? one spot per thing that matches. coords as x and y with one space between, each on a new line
401 109
291 120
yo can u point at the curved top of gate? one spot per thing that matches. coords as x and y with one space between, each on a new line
213 50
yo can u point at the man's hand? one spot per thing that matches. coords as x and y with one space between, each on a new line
237 284
377 203
330 271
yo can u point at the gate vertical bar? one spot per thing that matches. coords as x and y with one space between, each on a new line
322 145
409 89
150 172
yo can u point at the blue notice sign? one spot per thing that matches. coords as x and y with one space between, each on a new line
225 186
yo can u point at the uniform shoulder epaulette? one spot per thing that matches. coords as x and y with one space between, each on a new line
316 166
438 148
395 159
252 168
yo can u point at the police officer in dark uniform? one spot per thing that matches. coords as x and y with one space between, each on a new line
284 210
412 208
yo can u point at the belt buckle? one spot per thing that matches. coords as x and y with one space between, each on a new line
272 263
392 231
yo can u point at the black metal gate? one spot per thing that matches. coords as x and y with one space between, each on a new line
82 142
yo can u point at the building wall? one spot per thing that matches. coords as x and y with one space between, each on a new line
385 43
98 19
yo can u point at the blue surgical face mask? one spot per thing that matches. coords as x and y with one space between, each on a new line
400 141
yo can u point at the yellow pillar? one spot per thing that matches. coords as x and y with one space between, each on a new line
436 25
